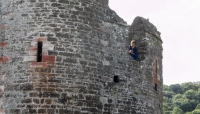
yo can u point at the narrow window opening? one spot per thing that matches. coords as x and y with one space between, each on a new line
156 87
39 52
116 78
156 78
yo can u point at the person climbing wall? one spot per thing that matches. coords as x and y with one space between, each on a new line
133 50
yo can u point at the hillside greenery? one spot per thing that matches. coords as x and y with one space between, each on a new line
181 98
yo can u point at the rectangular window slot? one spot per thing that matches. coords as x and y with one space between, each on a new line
39 52
116 79
156 87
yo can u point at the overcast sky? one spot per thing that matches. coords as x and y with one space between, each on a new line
179 24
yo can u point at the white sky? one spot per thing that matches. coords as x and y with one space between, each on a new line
179 24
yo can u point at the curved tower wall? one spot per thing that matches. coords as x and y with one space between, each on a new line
84 44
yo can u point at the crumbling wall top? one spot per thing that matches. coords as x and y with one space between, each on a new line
141 23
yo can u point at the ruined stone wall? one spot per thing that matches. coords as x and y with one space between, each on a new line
84 44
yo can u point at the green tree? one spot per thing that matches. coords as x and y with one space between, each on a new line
198 106
197 84
167 105
198 95
191 94
196 111
189 85
177 99
184 96
166 88
177 110
168 94
185 104
176 88
177 96
188 113
188 105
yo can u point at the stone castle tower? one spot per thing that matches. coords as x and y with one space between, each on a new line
71 57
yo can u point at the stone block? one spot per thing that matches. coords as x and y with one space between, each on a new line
26 101
3 26
52 52
106 63
2 111
50 111
52 38
65 111
38 65
3 44
43 111
50 94
4 59
1 89
48 58
33 50
83 63
70 60
30 58
26 87
1 77
48 101
32 111
36 101
56 5
64 1
47 46
105 43
40 39
77 112
14 111
106 79
32 0
104 100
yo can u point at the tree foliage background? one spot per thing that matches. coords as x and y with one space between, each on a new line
182 98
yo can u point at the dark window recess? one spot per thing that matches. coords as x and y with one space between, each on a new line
156 76
160 106
116 79
39 52
156 86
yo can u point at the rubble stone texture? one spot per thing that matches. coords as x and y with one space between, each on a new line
85 44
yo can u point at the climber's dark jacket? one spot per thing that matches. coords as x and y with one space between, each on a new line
135 55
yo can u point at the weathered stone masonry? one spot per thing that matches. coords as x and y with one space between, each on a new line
84 44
